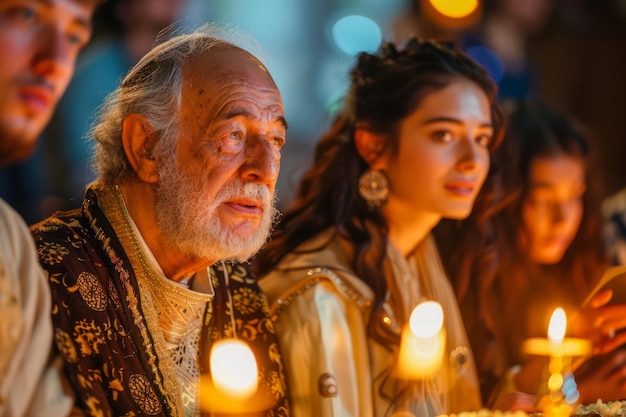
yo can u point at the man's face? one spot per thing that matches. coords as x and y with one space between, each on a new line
39 42
215 196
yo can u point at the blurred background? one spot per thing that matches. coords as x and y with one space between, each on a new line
570 53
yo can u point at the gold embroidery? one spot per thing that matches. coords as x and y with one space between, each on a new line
91 291
88 336
277 378
114 295
92 406
112 204
316 276
179 314
143 394
65 345
51 253
247 301
165 388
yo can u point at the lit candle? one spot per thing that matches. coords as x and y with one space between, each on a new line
423 342
557 345
234 369
559 394
557 326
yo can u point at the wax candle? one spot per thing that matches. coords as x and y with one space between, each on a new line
559 394
557 345
423 342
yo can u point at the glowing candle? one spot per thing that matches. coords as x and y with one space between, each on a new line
423 342
556 328
560 394
234 369
557 345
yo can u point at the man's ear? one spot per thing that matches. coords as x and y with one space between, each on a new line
371 146
138 139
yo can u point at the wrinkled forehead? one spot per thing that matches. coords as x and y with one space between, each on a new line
228 80
227 65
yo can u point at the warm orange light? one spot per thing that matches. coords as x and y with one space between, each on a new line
426 319
423 342
557 345
556 328
455 8
233 368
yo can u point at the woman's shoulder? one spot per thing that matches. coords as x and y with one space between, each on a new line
302 271
303 294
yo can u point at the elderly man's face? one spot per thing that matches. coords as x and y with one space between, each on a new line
39 43
215 197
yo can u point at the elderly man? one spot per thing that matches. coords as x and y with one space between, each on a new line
143 277
39 43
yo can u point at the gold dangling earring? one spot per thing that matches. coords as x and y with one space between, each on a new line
374 187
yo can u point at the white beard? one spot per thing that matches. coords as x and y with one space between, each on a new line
192 223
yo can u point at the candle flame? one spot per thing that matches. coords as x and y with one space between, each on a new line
558 323
233 368
426 319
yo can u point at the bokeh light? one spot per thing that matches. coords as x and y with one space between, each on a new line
455 8
353 34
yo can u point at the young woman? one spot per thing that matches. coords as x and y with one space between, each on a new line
550 254
354 254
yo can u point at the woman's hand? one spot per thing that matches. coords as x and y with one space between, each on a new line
603 324
602 377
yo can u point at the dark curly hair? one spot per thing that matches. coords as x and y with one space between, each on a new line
533 130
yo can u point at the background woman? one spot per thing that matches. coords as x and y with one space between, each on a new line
550 254
354 254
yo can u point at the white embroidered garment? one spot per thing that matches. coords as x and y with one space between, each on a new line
180 312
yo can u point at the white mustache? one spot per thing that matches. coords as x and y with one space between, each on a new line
245 189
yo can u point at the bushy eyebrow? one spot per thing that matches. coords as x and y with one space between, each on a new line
240 112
